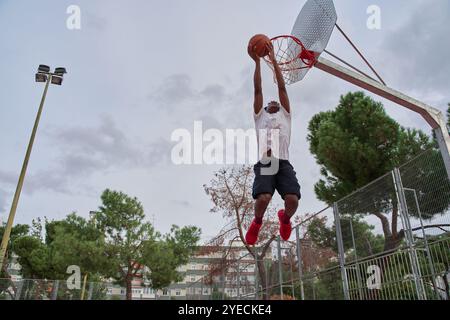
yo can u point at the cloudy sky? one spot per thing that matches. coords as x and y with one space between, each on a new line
138 70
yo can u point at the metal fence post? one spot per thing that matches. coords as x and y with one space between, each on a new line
238 276
404 214
292 273
223 285
201 288
427 247
55 290
358 275
280 271
91 290
19 288
256 275
340 243
299 262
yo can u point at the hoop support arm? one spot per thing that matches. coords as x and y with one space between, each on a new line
433 116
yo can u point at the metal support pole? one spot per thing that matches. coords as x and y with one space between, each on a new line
404 214
433 116
15 202
299 262
280 271
443 146
340 243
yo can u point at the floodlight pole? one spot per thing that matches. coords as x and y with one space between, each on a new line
15 202
433 116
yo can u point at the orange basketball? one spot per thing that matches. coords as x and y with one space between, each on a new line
258 43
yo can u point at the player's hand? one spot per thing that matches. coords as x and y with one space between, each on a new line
271 54
252 54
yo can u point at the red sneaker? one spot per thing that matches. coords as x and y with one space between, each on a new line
252 234
285 228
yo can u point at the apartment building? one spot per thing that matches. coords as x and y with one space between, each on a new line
212 273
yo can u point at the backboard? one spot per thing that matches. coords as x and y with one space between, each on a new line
313 27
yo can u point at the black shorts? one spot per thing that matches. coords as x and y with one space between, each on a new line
284 181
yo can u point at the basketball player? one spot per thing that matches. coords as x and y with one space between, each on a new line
275 116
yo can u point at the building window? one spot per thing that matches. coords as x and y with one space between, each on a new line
165 292
148 290
177 293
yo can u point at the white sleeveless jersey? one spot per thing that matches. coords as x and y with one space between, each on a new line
273 132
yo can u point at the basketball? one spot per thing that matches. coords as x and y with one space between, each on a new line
258 43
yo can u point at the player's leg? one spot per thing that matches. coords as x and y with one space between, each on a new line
263 190
261 204
290 206
288 187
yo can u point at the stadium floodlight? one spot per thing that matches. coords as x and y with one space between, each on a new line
57 80
43 68
42 75
60 71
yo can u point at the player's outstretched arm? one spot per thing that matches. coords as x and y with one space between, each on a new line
258 102
282 92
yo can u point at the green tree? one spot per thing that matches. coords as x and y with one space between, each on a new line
132 244
17 232
72 241
358 143
33 254
164 257
357 236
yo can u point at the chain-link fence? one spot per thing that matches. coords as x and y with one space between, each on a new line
394 234
36 289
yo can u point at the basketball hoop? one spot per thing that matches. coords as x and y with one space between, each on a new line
298 52
292 57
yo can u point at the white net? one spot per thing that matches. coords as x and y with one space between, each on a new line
294 60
